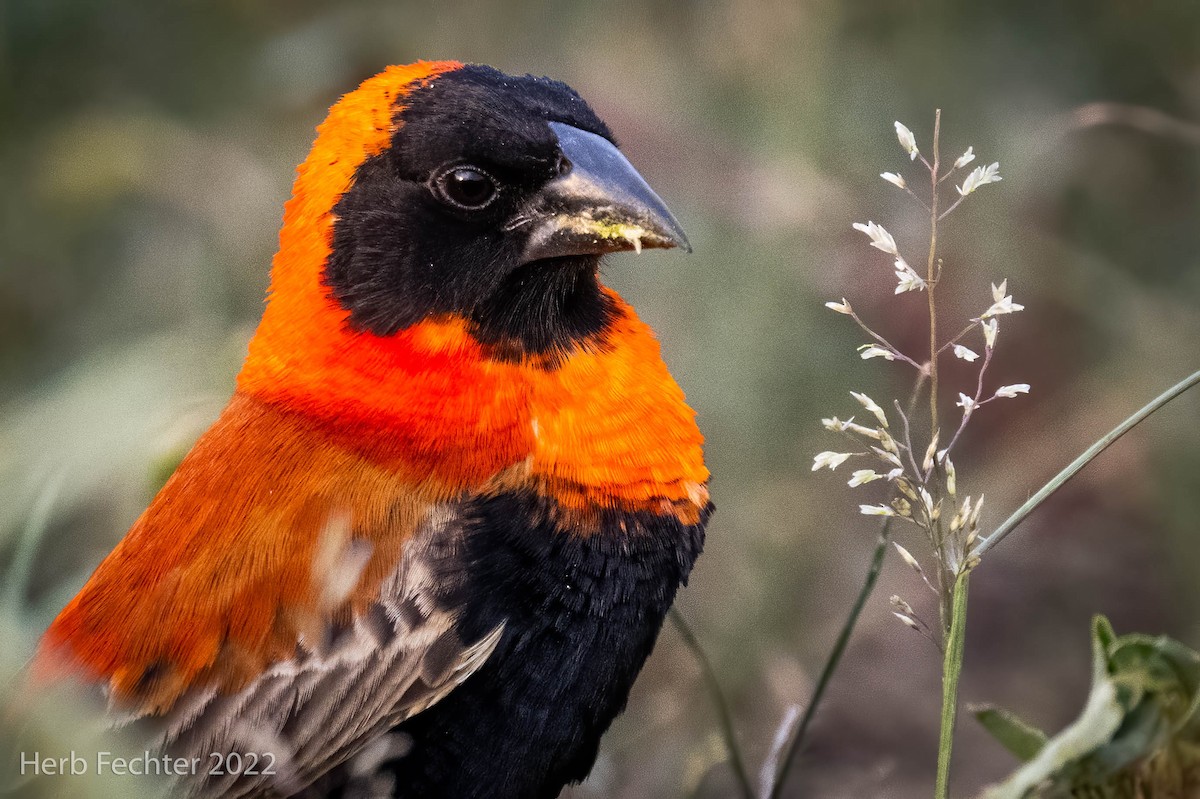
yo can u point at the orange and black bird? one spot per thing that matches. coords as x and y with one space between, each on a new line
428 545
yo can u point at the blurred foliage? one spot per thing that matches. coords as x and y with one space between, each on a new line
1138 736
147 148
63 727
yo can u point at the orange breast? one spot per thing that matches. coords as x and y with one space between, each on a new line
612 429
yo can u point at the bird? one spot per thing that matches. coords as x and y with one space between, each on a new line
430 542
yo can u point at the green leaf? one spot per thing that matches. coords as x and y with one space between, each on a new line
1015 735
1137 736
1101 717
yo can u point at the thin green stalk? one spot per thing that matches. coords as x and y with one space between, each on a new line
724 716
931 282
1088 455
951 671
931 277
834 659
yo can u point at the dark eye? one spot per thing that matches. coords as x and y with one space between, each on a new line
466 187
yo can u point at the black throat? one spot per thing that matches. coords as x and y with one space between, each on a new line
547 310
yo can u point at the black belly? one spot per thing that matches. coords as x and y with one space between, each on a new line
581 611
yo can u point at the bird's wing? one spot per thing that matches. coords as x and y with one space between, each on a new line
315 710
279 597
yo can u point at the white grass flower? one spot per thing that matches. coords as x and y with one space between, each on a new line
871 406
880 238
894 179
908 141
1013 390
1004 306
966 403
909 281
868 432
907 278
965 158
930 451
966 353
876 510
907 621
951 477
974 520
830 459
926 500
868 351
980 176
962 516
863 476
894 473
840 307
888 457
1002 302
836 425
907 557
990 328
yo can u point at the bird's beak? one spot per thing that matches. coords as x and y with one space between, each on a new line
600 204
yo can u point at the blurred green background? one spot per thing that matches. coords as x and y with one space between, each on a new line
146 149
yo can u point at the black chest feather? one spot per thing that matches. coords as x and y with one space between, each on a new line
581 614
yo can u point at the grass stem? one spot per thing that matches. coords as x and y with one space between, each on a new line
930 275
951 671
834 659
1084 459
724 716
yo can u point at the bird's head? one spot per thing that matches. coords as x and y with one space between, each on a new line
442 192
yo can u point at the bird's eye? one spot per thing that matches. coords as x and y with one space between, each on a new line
466 187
